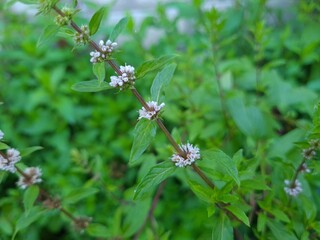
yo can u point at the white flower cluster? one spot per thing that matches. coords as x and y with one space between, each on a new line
7 162
106 50
32 175
1 135
192 154
293 190
154 109
126 77
83 37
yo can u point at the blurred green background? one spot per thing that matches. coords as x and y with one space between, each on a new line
247 55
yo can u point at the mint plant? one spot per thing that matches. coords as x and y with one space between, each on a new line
251 164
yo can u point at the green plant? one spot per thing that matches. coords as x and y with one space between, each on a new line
243 88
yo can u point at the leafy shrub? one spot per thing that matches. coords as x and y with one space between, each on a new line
245 90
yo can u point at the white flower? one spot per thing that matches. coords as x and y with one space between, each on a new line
106 50
192 154
304 168
293 189
126 77
1 135
154 109
7 162
13 155
309 153
31 176
83 37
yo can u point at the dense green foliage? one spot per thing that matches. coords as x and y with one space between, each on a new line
245 91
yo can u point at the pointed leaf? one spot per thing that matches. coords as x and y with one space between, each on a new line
30 196
161 81
215 161
156 175
98 230
91 86
153 65
99 70
279 231
239 213
47 33
96 20
28 218
27 151
118 28
78 194
222 228
144 133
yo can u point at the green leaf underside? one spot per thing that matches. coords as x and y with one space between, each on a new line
153 65
78 194
96 20
47 33
239 214
118 28
216 161
156 175
98 230
161 81
99 71
144 133
222 228
91 86
30 196
27 151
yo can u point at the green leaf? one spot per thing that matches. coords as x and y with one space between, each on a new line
29 1
91 86
30 196
47 33
96 20
199 187
136 213
153 65
239 213
279 231
144 133
99 70
3 175
215 161
222 228
156 175
161 81
250 120
98 230
262 220
78 194
118 28
28 218
27 151
3 146
280 215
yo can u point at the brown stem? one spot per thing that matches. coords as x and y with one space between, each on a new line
144 104
296 174
48 197
151 210
203 176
